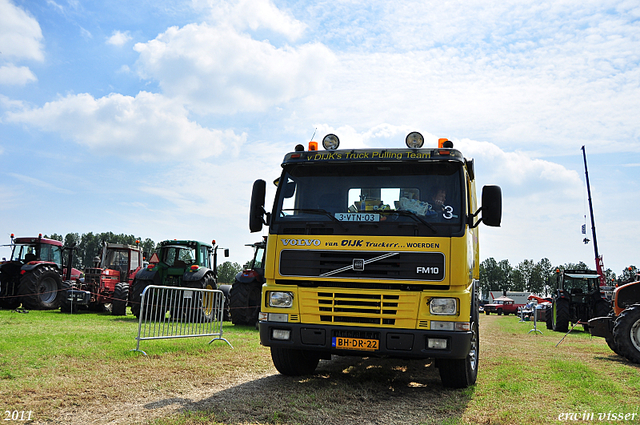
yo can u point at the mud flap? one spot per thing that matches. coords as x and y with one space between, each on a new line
601 327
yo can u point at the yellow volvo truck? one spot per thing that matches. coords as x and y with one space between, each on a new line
374 252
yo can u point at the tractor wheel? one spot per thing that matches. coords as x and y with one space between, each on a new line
560 315
41 288
244 302
7 299
65 305
461 373
548 318
293 362
626 333
226 316
200 307
119 299
154 312
101 307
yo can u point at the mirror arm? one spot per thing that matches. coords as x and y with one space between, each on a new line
473 225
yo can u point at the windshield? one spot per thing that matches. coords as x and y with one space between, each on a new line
117 260
178 256
30 252
366 198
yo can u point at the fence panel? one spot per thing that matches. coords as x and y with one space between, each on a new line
176 312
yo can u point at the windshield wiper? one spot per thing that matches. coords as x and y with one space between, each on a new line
414 216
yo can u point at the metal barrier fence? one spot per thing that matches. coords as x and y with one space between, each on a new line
176 312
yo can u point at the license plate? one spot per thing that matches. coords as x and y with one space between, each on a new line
355 344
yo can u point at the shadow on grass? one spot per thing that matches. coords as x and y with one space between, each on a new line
343 390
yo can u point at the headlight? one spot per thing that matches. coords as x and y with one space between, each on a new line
443 306
280 299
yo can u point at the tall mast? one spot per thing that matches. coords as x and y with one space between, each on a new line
593 223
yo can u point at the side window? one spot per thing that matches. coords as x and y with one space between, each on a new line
170 256
204 254
134 259
56 255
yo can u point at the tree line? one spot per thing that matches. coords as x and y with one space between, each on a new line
89 245
529 276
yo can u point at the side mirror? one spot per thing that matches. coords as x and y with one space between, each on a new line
256 209
492 205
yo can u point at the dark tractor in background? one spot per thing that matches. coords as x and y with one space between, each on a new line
179 263
577 299
33 276
246 292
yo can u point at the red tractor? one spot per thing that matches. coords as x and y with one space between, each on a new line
34 273
106 284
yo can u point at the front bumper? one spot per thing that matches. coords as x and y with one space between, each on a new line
398 343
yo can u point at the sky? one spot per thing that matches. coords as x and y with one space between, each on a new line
153 118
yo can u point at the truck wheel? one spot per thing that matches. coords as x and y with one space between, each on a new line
41 288
626 333
560 315
65 305
245 302
499 312
461 373
120 298
292 362
487 312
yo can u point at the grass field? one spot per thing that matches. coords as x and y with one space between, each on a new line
78 369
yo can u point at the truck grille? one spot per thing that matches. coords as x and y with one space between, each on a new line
423 266
324 305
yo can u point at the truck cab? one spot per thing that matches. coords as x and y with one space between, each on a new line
374 252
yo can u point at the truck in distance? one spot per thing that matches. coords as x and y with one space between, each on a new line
374 252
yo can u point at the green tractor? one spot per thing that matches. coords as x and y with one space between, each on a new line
179 263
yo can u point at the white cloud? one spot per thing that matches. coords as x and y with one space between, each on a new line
147 127
20 34
218 70
16 75
253 15
119 38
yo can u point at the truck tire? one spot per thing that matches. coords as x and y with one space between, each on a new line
41 288
244 302
120 299
560 313
461 373
292 362
626 333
